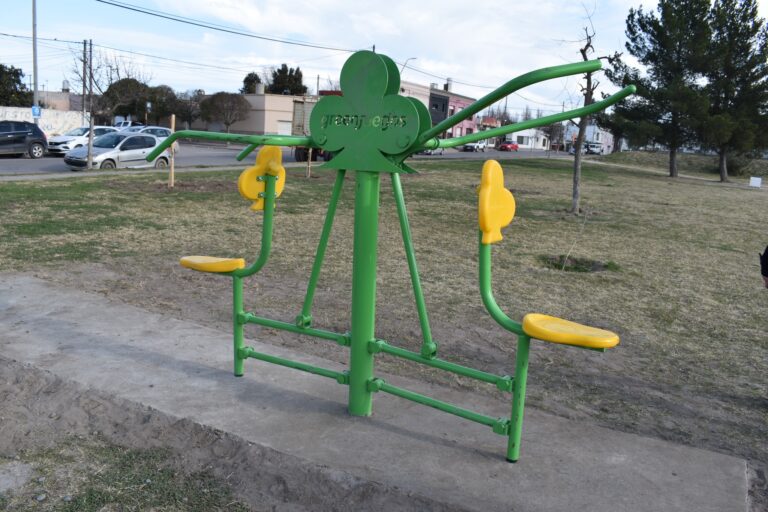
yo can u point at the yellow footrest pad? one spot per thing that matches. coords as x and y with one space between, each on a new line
212 264
557 330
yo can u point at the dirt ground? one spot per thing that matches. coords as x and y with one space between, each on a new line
609 389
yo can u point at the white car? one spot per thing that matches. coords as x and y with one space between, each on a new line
76 138
122 125
119 149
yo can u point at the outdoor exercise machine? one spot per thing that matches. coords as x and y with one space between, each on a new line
371 129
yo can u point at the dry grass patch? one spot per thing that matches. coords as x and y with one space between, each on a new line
686 298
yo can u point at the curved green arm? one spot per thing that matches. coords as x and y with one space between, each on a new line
487 293
532 77
532 123
266 229
255 140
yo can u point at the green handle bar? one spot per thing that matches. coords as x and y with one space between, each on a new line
251 140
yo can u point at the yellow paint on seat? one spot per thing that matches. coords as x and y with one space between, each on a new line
212 264
557 330
496 204
268 161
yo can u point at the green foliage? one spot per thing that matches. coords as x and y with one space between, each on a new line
224 107
672 46
249 83
126 97
737 77
163 101
287 80
13 92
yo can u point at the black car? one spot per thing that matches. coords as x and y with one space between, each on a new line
20 137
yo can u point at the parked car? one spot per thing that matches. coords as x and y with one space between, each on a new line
508 145
122 125
475 146
435 151
61 144
593 148
158 131
20 137
118 149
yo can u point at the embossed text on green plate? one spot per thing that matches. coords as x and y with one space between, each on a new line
371 127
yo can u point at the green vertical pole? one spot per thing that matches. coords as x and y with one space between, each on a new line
305 319
518 398
237 311
363 290
428 347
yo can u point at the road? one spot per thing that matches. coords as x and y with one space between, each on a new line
219 156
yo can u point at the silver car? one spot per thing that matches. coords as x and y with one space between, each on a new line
118 149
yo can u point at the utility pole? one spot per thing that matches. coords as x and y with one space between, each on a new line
317 91
90 105
85 71
35 99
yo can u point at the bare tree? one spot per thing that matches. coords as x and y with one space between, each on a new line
225 107
107 69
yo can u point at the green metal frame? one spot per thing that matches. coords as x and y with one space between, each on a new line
381 73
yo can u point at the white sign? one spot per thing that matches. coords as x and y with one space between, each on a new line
755 182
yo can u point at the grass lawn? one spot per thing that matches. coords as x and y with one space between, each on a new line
678 279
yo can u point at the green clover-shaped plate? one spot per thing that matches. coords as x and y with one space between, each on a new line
370 127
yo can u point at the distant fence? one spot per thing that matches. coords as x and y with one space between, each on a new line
52 122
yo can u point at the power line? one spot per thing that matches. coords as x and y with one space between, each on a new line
220 28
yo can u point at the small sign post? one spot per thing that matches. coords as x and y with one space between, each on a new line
173 153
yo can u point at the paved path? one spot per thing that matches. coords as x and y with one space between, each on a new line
184 370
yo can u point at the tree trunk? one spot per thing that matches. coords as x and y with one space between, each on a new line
576 196
673 163
723 165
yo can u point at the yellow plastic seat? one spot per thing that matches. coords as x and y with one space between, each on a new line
212 264
557 330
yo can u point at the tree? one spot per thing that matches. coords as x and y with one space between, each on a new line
188 106
249 83
737 75
673 48
13 92
287 80
225 107
126 97
163 102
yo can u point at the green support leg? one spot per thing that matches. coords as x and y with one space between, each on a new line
237 311
363 291
518 398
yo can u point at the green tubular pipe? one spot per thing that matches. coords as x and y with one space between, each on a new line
306 311
502 382
532 123
366 231
487 293
380 385
428 346
237 310
245 152
267 140
532 77
250 318
518 398
266 229
248 352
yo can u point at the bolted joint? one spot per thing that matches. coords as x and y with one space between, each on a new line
501 427
375 385
376 346
241 318
345 340
303 321
260 178
244 352
343 378
506 383
429 350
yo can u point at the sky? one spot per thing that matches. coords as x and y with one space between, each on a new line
480 45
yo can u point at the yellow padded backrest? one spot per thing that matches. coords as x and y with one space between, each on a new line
496 204
268 161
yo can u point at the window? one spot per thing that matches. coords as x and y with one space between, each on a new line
5 127
522 140
146 142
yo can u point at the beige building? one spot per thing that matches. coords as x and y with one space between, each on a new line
271 114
